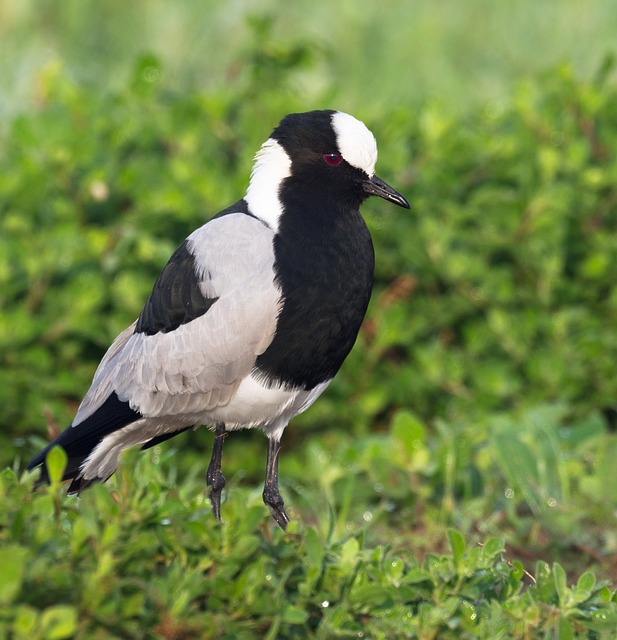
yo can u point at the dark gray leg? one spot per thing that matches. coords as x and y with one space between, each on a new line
214 477
271 494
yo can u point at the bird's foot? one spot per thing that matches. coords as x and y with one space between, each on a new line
216 481
214 476
274 501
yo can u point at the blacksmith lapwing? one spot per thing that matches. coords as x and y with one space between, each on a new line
252 316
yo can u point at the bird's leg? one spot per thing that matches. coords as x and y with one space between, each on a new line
271 494
214 476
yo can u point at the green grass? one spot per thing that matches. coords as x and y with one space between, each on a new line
456 480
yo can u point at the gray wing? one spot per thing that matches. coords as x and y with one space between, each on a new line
197 364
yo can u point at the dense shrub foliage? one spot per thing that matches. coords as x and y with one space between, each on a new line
145 559
480 396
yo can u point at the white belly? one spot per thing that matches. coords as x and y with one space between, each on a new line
253 405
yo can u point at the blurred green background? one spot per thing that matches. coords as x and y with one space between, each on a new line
482 391
370 57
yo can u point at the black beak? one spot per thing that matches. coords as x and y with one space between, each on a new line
377 187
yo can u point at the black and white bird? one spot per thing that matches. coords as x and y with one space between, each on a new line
252 316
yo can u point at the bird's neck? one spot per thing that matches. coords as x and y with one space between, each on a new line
272 166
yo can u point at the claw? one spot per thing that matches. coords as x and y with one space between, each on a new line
214 476
272 497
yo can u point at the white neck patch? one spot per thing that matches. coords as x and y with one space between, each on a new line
272 166
355 142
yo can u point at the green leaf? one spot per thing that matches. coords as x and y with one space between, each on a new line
408 431
26 619
584 587
457 545
56 462
492 548
565 630
545 582
246 546
313 547
349 554
294 615
559 576
519 464
59 622
518 569
12 561
370 596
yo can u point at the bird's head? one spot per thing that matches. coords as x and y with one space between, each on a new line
317 155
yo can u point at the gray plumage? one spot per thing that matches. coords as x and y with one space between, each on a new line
198 366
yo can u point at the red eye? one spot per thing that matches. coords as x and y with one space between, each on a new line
333 159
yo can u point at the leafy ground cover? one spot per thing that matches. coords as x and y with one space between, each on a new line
457 479
143 557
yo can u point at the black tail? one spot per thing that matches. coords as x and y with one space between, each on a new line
79 441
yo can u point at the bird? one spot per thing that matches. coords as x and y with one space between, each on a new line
251 317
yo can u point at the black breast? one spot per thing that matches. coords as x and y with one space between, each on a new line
324 262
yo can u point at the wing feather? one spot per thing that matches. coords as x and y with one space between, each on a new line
199 364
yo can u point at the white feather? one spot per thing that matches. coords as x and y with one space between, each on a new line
272 166
355 142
